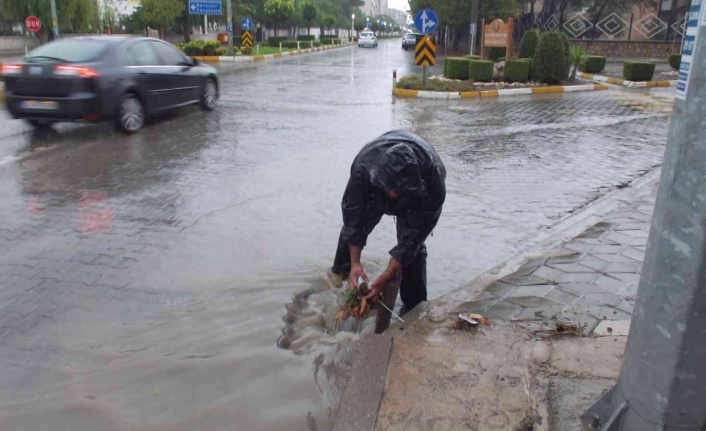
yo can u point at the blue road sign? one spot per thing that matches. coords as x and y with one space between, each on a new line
205 7
426 21
246 23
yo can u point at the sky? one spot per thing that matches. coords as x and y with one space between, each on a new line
398 4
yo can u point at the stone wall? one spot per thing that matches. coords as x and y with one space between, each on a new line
623 48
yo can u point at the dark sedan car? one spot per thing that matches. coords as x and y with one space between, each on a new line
97 78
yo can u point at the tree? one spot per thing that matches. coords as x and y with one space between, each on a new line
278 12
159 14
79 16
309 11
360 21
329 21
576 55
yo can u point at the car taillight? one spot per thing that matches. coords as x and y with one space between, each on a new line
80 71
11 69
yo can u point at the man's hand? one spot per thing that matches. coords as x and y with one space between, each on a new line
357 271
376 288
383 280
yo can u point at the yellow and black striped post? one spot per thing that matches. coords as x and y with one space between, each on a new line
425 55
247 40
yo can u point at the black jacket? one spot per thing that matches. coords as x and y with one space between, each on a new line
405 163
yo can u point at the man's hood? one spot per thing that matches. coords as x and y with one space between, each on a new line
398 170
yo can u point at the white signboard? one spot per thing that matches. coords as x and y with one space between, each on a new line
694 18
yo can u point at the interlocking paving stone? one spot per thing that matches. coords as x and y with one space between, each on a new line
570 267
580 277
613 258
549 274
504 310
532 290
562 296
623 268
635 254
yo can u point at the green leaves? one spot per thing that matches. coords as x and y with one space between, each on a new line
76 16
279 11
158 13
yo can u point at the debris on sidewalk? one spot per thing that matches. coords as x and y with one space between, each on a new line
465 321
560 330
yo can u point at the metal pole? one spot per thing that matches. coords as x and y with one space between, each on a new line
424 77
662 383
54 19
475 4
229 26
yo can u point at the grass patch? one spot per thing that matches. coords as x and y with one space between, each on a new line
414 82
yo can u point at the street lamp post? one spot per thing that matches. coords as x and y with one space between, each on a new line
352 27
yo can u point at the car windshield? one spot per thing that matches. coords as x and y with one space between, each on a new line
68 51
366 34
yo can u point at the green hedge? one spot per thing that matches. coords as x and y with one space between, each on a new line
550 60
531 61
675 61
306 38
330 41
237 41
528 45
517 71
275 40
202 47
456 68
567 55
472 57
592 64
481 71
638 71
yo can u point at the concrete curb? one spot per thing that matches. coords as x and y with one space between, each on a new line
496 93
253 58
625 83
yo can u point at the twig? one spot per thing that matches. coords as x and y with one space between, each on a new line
392 312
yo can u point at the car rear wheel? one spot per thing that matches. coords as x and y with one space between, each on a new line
210 96
40 124
132 114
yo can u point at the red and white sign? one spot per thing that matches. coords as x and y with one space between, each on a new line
33 24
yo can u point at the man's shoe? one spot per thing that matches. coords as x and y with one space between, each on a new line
404 310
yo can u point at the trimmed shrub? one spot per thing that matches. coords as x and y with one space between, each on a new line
517 71
330 41
237 41
592 64
472 57
221 51
275 40
194 48
567 54
481 71
528 45
495 53
246 50
638 71
675 61
531 62
550 60
210 47
305 38
456 68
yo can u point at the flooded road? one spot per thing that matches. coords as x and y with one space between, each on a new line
143 279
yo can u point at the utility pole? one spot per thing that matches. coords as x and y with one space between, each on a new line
54 20
229 26
474 26
662 383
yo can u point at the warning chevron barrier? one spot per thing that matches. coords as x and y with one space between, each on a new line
425 52
247 39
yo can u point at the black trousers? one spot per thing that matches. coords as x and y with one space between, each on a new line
413 288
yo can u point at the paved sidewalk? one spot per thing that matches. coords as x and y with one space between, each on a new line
517 374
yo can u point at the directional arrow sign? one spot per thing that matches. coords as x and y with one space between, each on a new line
425 52
246 23
426 21
205 7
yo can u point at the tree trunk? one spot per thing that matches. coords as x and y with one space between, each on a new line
185 29
308 31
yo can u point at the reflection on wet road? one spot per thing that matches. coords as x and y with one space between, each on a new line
143 279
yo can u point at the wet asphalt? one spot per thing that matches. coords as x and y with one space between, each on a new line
143 279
